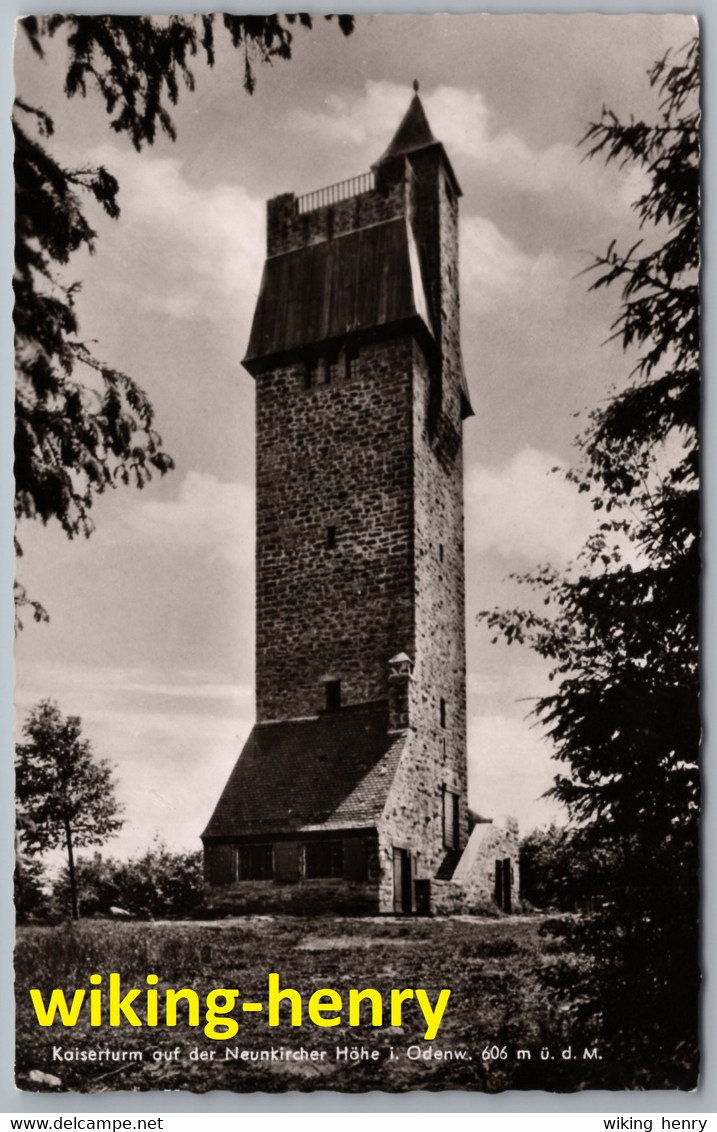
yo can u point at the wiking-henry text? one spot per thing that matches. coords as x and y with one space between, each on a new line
111 1005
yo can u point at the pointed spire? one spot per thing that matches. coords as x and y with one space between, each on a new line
413 134
414 131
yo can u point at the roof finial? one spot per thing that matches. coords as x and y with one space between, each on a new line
415 85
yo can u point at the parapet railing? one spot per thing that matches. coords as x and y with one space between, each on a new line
342 190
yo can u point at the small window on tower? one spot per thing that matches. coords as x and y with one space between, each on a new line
322 373
333 695
333 368
440 552
443 712
311 373
352 361
451 827
316 373
330 538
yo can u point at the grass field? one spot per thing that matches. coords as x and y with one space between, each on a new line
498 1031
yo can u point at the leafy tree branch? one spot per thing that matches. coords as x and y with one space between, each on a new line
65 795
83 426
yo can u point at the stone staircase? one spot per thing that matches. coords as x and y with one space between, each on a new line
448 864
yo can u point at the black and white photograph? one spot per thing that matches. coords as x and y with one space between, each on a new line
358 553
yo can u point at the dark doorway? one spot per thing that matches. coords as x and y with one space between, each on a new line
402 882
333 695
504 884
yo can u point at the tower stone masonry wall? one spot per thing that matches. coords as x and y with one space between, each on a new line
438 516
440 738
335 456
437 759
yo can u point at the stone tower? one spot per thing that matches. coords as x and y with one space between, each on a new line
351 790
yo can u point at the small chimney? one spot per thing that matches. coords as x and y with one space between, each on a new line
400 671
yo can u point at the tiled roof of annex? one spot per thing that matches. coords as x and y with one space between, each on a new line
330 772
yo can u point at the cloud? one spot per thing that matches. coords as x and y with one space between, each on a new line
522 509
172 738
171 768
461 119
210 518
510 766
360 122
496 275
464 122
100 686
190 251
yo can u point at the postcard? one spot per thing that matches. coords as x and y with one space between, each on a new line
358 552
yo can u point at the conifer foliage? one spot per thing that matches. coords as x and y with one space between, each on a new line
620 627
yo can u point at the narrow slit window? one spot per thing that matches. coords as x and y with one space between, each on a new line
440 552
333 369
330 538
442 711
352 362
451 828
310 370
321 373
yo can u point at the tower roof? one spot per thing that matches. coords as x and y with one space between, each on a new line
333 772
414 133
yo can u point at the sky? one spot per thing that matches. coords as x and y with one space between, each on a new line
151 637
